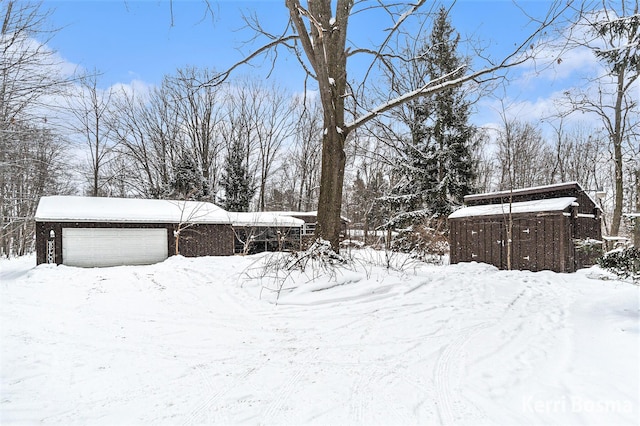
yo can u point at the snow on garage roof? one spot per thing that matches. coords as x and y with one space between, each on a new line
548 205
131 210
263 219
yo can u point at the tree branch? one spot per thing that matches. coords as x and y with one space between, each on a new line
223 76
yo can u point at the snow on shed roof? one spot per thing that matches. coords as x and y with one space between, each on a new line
127 210
525 190
263 219
547 205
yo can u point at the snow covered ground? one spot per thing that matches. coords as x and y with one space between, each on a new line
195 341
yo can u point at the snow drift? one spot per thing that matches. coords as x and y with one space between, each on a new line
190 341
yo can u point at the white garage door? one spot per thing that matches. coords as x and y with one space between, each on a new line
113 246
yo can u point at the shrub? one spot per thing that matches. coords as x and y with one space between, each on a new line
625 263
423 241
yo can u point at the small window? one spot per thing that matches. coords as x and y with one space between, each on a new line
308 228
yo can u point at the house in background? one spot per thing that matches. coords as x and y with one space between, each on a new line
310 220
554 227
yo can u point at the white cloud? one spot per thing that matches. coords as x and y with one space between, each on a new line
132 88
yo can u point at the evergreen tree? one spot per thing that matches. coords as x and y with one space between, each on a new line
436 169
188 182
236 180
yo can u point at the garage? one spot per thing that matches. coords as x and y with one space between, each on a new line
99 231
113 246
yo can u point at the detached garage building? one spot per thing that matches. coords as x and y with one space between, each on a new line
94 231
555 227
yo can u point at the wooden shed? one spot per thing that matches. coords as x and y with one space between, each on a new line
554 227
96 231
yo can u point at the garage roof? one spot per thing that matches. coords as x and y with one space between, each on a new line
127 210
548 205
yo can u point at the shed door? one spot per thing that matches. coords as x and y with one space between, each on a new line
113 246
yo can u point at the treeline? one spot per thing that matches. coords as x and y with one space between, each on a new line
249 145
187 139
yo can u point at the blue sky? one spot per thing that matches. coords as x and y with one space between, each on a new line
130 40
133 42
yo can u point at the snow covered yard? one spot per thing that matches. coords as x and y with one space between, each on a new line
190 341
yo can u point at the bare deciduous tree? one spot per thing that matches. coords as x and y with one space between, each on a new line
31 154
317 36
520 156
613 34
146 129
200 112
89 108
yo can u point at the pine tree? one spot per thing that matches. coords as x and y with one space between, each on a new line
236 181
188 182
436 169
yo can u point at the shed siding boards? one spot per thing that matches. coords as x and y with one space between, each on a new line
539 243
541 240
196 240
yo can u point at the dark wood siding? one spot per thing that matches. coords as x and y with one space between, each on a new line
539 241
204 240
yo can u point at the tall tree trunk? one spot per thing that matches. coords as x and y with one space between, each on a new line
331 183
324 43
636 220
617 156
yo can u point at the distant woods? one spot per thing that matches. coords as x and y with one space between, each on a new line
250 145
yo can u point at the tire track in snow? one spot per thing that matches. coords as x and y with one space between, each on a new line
282 397
285 391
526 334
447 366
361 394
200 414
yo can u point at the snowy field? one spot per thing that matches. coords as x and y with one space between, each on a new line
194 341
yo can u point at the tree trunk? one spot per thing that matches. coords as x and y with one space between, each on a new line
324 43
617 157
331 183
636 220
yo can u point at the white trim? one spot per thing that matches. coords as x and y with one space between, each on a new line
590 216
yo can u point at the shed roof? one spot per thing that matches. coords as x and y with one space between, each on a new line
557 190
521 191
536 206
127 210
